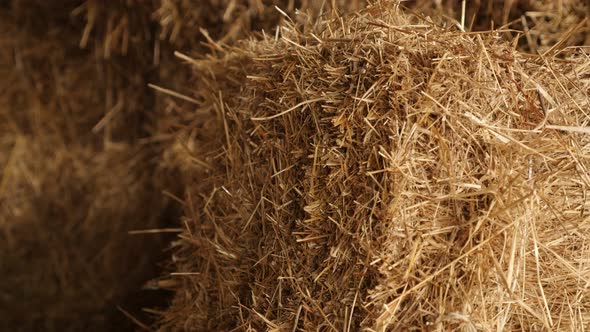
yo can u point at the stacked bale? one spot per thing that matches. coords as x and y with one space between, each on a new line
106 57
75 176
65 217
378 172
545 23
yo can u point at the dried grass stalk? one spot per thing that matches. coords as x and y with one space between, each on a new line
379 173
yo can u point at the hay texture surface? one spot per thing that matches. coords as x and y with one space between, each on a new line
376 172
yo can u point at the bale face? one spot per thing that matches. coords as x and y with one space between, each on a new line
378 172
73 102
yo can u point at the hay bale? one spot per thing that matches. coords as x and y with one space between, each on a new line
543 23
65 217
85 63
76 174
379 172
191 27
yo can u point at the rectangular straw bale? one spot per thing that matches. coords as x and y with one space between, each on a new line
378 172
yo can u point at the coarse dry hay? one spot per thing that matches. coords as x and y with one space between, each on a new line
186 26
541 23
377 172
89 94
76 74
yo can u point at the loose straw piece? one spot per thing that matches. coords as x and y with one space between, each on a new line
173 93
303 103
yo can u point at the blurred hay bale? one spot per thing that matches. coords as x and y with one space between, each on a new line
65 214
545 23
86 63
76 173
379 172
